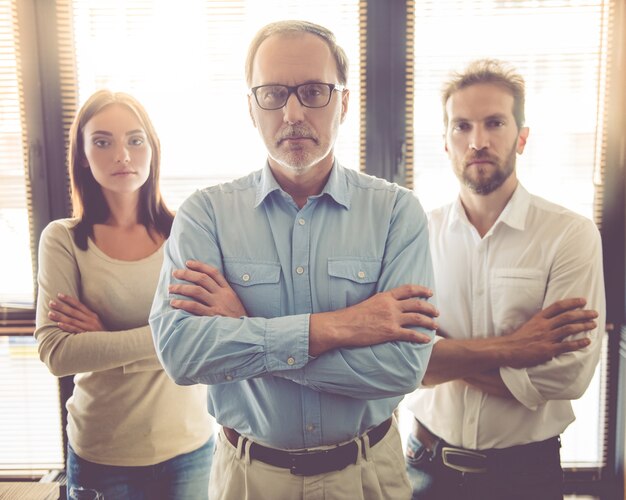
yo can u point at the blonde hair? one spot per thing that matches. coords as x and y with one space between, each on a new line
488 71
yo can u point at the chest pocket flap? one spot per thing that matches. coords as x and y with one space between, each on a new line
355 270
249 273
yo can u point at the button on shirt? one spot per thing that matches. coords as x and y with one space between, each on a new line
535 254
361 235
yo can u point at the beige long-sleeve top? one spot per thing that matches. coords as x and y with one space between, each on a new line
124 410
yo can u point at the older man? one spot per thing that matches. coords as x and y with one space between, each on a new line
323 328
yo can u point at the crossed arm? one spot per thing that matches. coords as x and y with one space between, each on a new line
384 317
71 315
62 319
546 335
553 355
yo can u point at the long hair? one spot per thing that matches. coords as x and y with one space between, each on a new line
294 27
88 202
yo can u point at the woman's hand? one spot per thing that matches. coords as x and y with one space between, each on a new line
73 316
208 291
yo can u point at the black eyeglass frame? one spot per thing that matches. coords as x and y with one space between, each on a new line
293 89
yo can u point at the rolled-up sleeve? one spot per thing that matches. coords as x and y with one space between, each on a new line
576 272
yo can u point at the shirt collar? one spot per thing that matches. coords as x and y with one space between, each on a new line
336 187
516 210
513 215
267 184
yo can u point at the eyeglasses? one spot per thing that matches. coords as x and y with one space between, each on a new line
310 95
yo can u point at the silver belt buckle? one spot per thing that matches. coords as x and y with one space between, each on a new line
447 453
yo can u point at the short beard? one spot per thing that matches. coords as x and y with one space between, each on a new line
295 160
485 186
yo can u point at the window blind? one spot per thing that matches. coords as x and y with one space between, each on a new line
16 285
185 62
30 420
30 429
561 48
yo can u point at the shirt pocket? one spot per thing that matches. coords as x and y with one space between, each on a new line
257 284
351 280
516 295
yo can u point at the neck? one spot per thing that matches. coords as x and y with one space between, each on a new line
123 209
483 210
301 185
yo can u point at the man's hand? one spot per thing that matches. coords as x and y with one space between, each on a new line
73 316
384 317
210 293
537 341
542 337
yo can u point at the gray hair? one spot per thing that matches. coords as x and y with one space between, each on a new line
294 27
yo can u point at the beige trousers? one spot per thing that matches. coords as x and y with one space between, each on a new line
379 474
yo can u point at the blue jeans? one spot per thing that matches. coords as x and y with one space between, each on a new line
184 477
417 466
541 479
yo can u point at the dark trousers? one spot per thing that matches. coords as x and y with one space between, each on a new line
531 472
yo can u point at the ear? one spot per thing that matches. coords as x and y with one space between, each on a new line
522 137
345 97
445 142
250 110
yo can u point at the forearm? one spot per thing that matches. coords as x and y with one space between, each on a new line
490 382
67 353
149 364
360 356
400 314
323 335
545 336
457 359
70 353
381 371
216 349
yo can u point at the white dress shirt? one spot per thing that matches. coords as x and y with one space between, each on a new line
535 254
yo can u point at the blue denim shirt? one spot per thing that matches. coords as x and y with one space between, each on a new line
361 235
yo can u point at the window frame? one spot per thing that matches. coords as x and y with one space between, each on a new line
613 231
386 142
43 117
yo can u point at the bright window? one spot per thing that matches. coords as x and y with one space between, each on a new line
185 62
30 420
16 285
30 428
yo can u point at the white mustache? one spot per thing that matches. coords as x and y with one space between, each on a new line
296 131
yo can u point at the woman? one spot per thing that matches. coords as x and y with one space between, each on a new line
132 432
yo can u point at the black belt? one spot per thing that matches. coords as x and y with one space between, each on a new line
310 463
482 461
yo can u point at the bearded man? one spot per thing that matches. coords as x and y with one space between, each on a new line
497 393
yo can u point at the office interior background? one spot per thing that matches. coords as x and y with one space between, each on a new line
185 61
